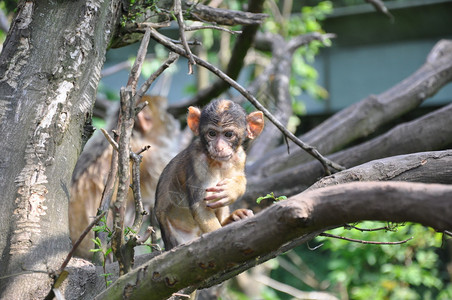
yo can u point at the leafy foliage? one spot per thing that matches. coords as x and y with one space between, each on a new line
272 197
304 75
100 249
414 270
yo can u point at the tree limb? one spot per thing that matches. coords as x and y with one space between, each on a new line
221 16
326 163
241 47
431 132
130 33
187 265
273 85
364 117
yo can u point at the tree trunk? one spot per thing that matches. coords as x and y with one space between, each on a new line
49 72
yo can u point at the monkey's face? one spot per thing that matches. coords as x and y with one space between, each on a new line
222 142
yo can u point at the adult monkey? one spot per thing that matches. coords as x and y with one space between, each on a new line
154 127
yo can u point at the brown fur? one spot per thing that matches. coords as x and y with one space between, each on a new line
197 186
156 128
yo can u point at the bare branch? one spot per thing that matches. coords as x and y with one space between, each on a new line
311 150
362 241
110 139
126 122
241 47
364 117
348 226
222 16
139 210
380 7
80 239
166 64
201 27
141 55
180 22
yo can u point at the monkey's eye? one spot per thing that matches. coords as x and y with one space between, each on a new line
228 134
212 133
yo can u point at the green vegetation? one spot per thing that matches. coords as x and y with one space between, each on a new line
416 269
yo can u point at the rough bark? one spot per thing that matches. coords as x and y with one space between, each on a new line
364 117
49 71
426 167
192 263
131 32
429 133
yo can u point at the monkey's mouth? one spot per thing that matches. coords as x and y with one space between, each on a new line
222 157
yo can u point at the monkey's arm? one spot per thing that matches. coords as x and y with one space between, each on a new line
205 217
226 192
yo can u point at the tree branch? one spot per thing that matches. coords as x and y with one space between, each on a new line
273 85
192 11
241 47
311 150
221 16
187 265
180 22
431 132
364 117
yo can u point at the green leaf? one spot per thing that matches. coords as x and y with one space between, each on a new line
97 241
108 251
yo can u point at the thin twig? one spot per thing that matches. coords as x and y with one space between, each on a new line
139 210
145 148
110 139
200 27
129 97
147 234
166 64
311 150
107 196
364 242
79 240
180 21
141 55
380 7
127 121
140 106
348 226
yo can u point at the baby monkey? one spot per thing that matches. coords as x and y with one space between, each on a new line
196 187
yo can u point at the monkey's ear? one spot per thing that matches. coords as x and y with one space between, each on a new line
194 114
255 124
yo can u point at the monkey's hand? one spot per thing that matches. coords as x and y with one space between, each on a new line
237 215
224 193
